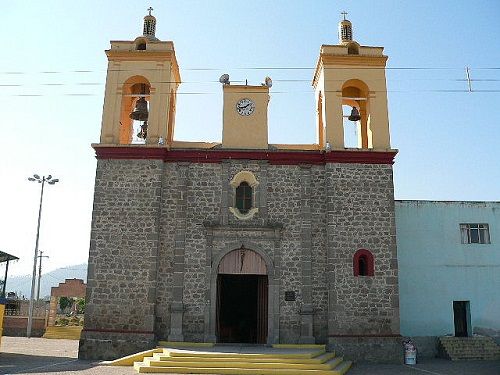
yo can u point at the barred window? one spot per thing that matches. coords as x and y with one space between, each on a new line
475 233
244 197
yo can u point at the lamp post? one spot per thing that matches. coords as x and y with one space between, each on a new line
40 274
42 180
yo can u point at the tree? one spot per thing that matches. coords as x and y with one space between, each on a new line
65 302
80 305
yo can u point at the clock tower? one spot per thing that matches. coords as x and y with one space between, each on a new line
245 116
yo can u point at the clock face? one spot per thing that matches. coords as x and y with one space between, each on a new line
245 107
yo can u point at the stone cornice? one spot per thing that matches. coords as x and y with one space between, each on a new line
218 156
115 55
347 60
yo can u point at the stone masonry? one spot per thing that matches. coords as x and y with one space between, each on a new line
160 228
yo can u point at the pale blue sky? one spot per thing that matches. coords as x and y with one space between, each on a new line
448 138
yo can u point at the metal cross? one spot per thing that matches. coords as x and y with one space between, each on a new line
150 9
344 13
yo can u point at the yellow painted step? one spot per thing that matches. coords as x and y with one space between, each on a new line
342 368
151 362
130 359
189 353
141 368
299 346
69 333
186 344
316 360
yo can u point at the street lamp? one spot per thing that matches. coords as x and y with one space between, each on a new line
42 180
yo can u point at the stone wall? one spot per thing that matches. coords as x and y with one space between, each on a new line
122 268
16 326
159 230
361 216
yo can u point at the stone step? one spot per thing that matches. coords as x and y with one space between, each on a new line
222 354
236 360
141 368
242 364
68 333
471 348
165 356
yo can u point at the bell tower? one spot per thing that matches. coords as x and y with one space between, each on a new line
351 75
141 86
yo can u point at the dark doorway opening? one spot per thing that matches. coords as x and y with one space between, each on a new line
461 318
242 308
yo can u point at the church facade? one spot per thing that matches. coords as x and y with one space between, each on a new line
242 241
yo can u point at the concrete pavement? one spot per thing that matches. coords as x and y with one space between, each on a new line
19 355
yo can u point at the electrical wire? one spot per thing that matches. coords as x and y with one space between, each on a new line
260 68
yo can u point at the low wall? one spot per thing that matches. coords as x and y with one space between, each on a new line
368 349
16 326
427 346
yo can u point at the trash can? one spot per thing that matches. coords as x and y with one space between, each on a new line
410 350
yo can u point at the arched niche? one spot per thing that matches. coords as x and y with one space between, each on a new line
363 263
256 262
355 94
242 262
133 88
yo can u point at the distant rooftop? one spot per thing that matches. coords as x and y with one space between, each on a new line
4 257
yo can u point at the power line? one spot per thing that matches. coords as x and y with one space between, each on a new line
256 68
58 84
273 92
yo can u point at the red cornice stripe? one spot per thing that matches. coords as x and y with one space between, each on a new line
118 331
369 335
273 157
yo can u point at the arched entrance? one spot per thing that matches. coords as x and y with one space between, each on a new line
242 298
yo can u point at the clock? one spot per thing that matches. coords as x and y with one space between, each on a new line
245 107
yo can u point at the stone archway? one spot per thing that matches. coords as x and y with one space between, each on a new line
255 262
242 298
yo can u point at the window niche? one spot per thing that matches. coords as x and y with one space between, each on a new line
244 191
363 263
140 44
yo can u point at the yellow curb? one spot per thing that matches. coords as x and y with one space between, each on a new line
186 344
299 346
130 359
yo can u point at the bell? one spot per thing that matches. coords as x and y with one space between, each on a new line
355 116
143 133
140 113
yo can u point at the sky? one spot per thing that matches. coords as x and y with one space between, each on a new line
53 70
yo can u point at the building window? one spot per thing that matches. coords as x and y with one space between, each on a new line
475 233
363 263
244 197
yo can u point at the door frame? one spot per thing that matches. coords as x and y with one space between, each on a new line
272 293
468 327
261 293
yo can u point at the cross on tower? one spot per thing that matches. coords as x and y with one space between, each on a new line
150 9
344 13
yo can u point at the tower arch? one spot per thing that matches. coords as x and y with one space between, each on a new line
355 94
133 89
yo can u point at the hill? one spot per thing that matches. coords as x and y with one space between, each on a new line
22 284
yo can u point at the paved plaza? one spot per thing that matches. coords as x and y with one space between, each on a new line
19 355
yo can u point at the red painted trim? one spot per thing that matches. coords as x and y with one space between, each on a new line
370 335
273 157
370 268
117 331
